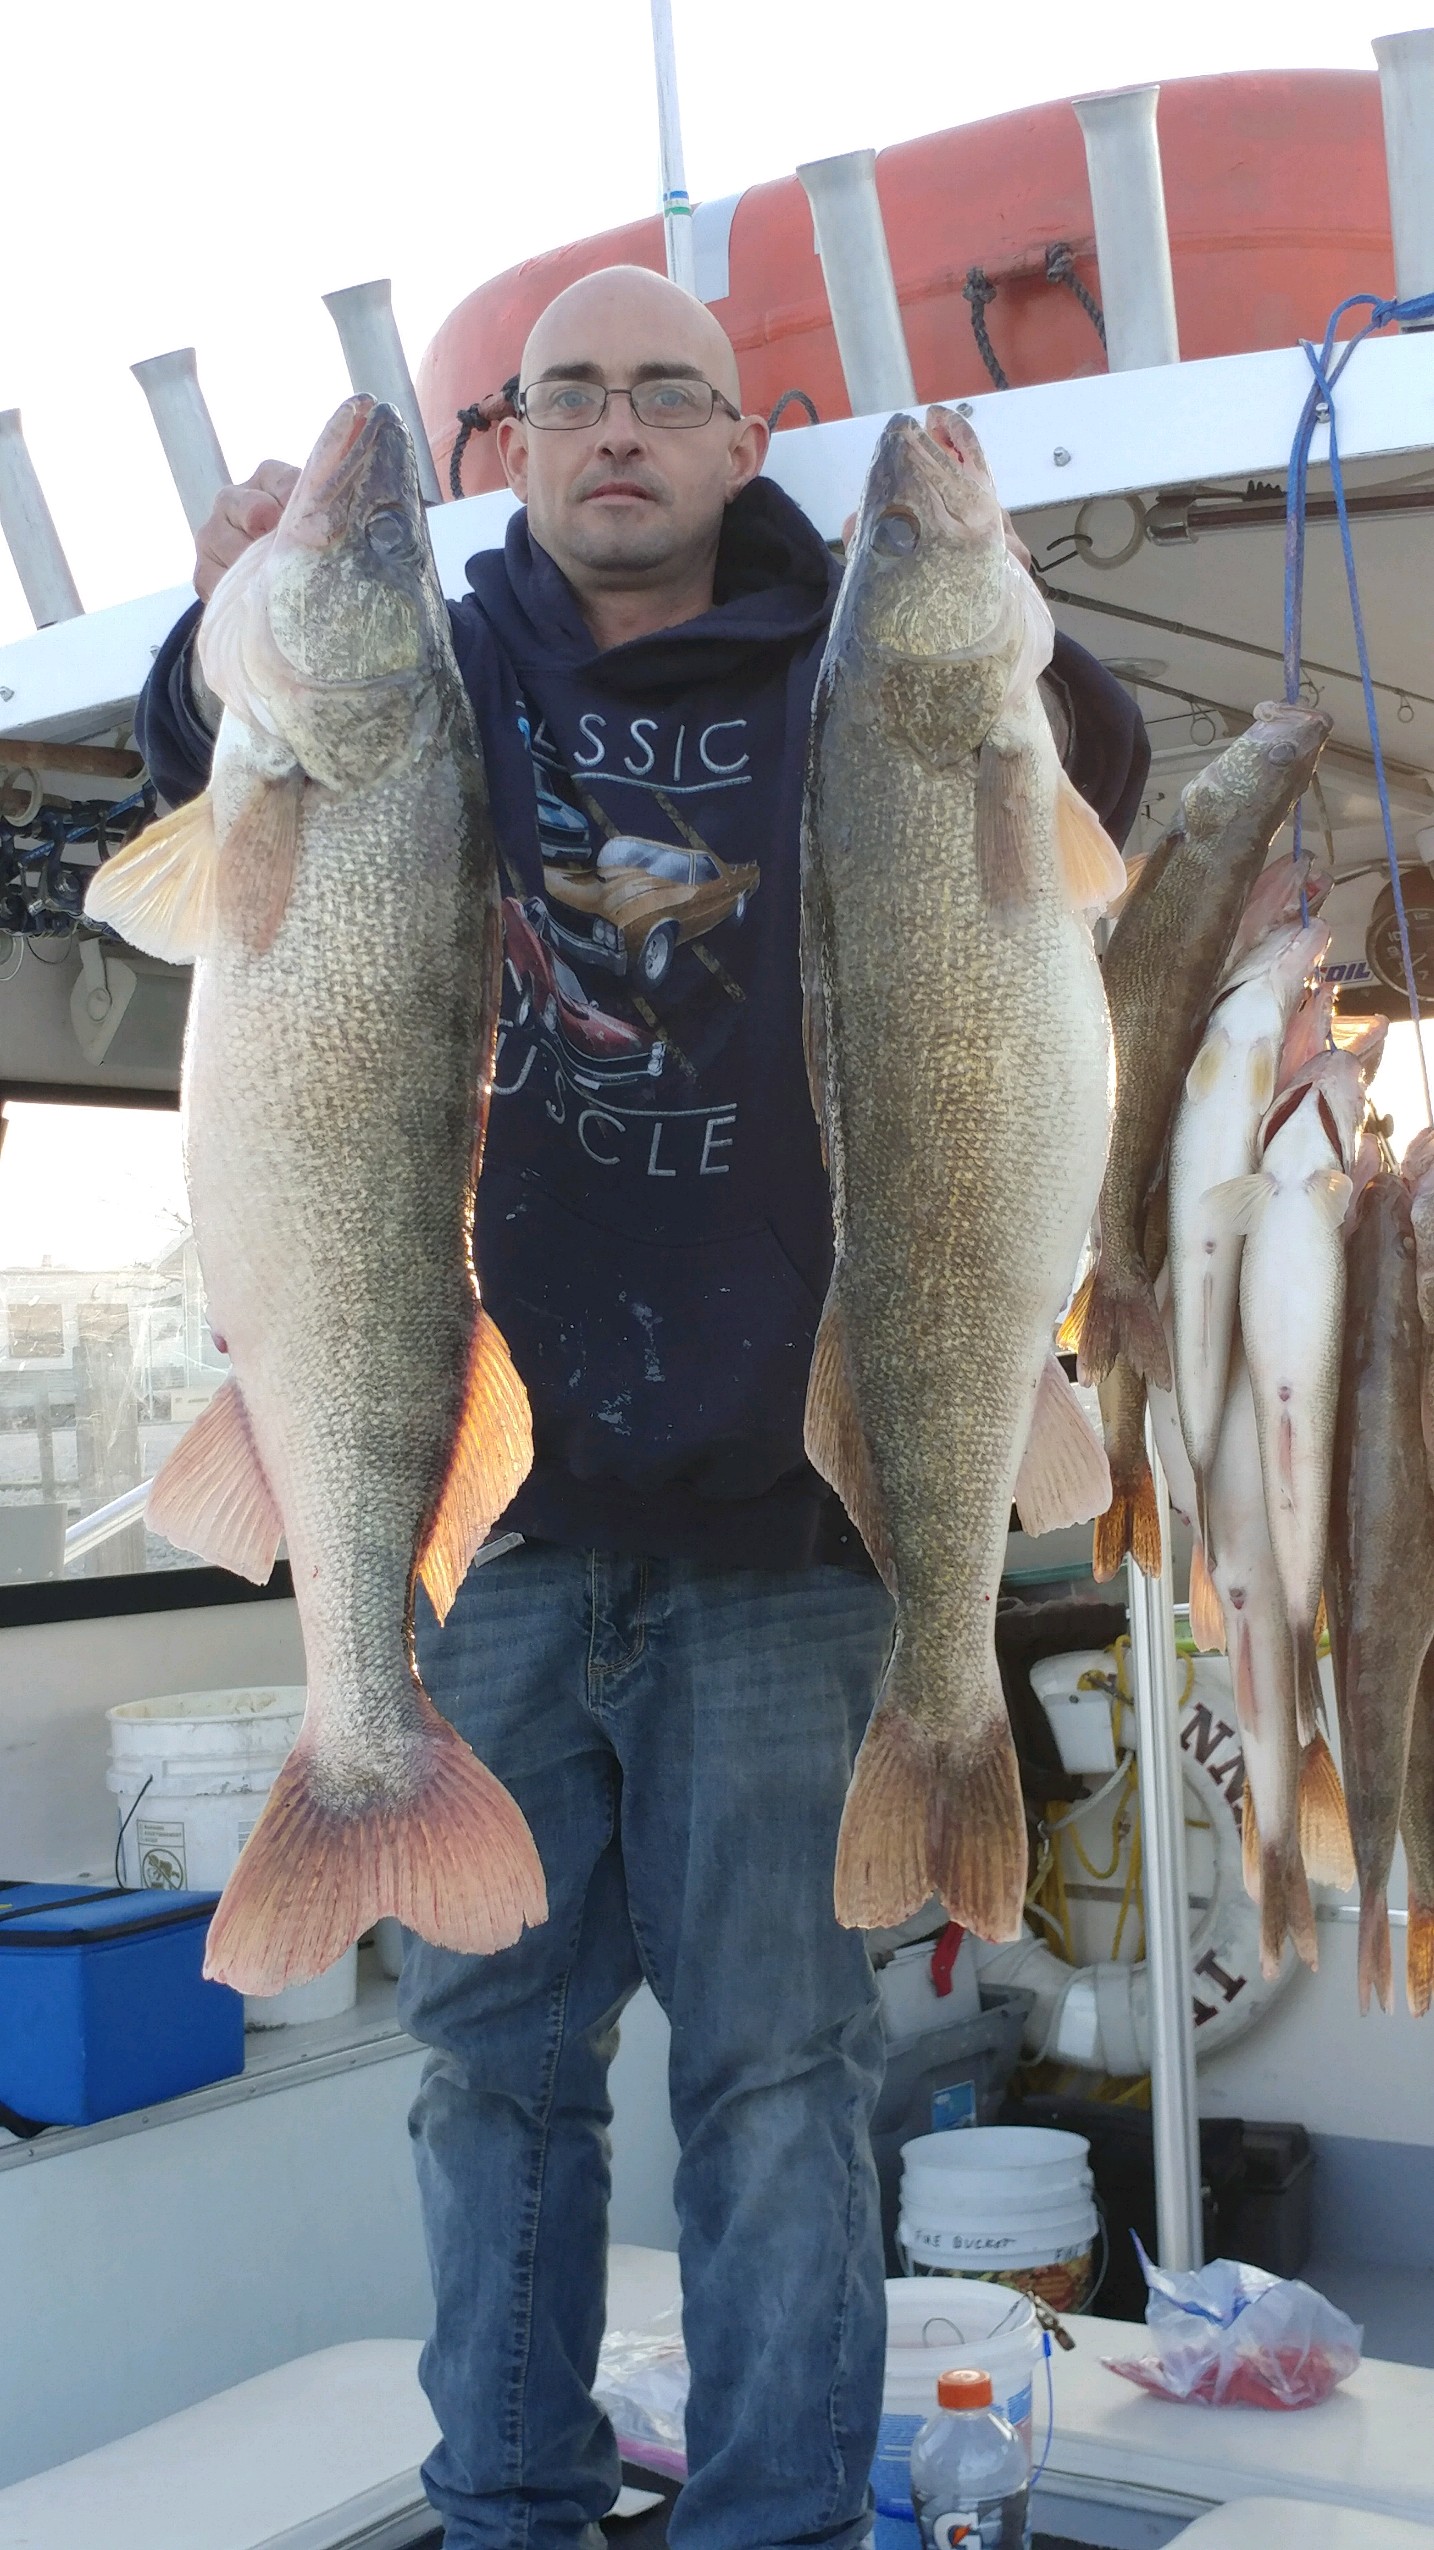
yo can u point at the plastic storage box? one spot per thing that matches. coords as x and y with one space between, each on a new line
952 2077
103 2003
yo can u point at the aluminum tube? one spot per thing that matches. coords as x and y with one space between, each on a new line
185 429
373 351
30 534
1180 2236
1132 241
676 207
851 242
1406 88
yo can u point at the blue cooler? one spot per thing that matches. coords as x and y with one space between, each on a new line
103 2003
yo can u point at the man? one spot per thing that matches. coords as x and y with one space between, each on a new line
673 1673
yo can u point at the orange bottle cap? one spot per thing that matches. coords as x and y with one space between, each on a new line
963 2390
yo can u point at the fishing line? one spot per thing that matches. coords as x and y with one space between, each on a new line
124 1828
1319 409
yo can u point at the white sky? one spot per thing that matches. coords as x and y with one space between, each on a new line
179 174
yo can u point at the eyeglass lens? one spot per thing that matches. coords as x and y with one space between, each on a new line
577 403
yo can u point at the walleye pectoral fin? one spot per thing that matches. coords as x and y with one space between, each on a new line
1207 1617
491 1455
212 1496
1239 1202
1262 1069
452 1858
1329 1191
1005 818
1205 1070
257 860
1325 1843
1092 869
158 892
1064 1475
930 1814
836 1442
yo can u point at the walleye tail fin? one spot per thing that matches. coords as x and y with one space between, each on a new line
1129 1527
1376 1963
491 1455
1309 1697
1064 1475
1092 869
836 1441
452 1858
1072 1327
1419 1959
159 891
1122 1319
1285 1910
212 1496
1325 1844
933 1815
1207 1618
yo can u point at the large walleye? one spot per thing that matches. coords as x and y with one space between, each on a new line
1381 1550
1162 968
1292 1290
339 889
1227 1090
965 1132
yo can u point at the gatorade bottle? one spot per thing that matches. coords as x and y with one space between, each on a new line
970 2482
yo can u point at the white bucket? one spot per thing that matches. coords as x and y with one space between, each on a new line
191 1771
1011 2203
977 2327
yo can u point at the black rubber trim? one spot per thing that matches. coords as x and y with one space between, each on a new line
119 1597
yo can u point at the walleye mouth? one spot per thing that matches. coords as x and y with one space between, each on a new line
364 446
946 463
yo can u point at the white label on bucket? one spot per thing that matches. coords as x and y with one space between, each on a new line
161 1855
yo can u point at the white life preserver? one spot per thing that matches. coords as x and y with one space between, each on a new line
1098 2017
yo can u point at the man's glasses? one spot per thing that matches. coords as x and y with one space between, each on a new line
676 405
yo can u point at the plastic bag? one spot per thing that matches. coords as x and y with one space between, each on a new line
642 2384
1232 2336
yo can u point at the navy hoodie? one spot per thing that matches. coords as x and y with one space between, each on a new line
653 1231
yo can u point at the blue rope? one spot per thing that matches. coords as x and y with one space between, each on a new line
1319 409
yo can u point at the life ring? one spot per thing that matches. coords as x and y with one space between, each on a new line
1098 2017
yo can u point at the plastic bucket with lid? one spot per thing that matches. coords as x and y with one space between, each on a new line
1013 2204
190 1771
980 2328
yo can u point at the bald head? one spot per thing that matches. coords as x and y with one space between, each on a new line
632 511
623 309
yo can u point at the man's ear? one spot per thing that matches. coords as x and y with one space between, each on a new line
513 453
749 450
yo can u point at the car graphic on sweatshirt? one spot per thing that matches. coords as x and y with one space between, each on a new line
597 1049
640 901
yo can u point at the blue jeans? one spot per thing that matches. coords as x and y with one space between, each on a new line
680 1740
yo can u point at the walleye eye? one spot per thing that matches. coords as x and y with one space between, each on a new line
896 532
387 533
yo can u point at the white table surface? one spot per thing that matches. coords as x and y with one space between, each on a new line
1283 2523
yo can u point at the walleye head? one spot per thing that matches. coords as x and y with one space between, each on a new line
1270 765
327 636
930 578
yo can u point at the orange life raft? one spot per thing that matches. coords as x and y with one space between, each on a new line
1277 202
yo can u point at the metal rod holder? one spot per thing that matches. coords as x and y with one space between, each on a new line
30 534
676 206
1132 237
186 430
373 351
1180 2233
856 261
1406 88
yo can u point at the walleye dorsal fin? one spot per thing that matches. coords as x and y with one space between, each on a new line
837 1444
158 892
257 862
491 1456
1240 1201
1092 869
1205 1070
1005 815
213 1496
1064 1475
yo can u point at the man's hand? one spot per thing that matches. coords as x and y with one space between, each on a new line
241 516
